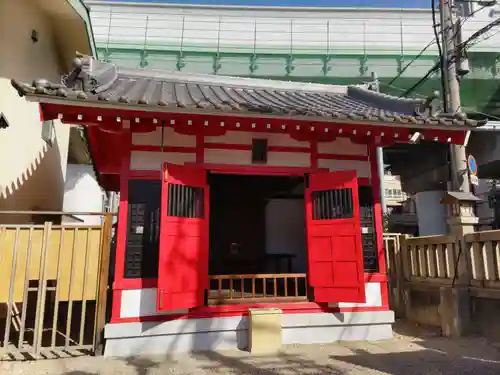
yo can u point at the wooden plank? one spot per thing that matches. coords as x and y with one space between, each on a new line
256 276
31 237
42 288
214 301
100 315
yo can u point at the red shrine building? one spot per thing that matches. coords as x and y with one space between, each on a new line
238 193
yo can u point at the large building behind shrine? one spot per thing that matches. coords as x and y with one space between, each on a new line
330 44
39 39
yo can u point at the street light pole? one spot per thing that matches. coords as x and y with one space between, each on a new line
459 174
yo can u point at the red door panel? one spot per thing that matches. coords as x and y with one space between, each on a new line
183 259
335 256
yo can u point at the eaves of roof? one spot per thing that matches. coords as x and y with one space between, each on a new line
99 83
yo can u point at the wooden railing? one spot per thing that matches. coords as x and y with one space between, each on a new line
286 287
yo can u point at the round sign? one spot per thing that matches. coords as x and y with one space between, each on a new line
472 165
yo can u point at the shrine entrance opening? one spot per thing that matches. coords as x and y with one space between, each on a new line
229 238
257 238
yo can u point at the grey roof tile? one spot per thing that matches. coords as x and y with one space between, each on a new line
96 81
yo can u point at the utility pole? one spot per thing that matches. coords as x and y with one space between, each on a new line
449 32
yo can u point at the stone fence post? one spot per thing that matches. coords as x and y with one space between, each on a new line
401 265
455 302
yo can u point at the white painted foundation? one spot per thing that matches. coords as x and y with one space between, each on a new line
186 335
190 335
142 302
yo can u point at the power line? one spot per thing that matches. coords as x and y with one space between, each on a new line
485 114
401 89
435 40
440 50
460 48
412 61
421 80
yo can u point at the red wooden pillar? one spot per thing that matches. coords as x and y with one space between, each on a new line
121 232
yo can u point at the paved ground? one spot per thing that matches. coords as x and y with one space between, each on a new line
412 352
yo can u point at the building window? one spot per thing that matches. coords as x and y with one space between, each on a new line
394 193
332 204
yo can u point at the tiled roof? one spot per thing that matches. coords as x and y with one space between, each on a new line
96 81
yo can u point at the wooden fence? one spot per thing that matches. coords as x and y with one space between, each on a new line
54 287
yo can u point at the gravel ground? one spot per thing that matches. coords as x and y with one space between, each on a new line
413 351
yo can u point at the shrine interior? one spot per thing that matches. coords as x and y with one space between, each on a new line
257 226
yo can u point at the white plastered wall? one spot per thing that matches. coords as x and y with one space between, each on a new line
151 160
32 172
82 193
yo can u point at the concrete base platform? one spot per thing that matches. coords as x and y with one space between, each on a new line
191 335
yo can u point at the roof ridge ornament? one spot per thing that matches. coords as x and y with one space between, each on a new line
389 102
90 75
430 106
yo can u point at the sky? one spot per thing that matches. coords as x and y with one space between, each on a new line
317 3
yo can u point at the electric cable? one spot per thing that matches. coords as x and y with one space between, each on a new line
440 50
411 62
436 40
460 48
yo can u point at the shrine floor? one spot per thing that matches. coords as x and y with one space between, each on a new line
412 351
